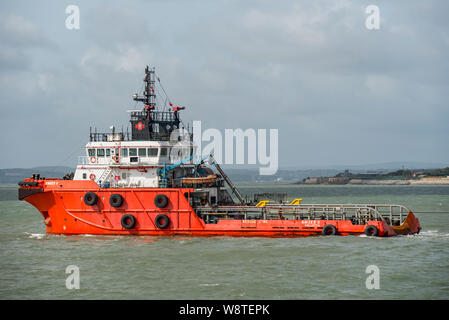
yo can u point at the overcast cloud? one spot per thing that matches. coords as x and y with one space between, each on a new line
337 92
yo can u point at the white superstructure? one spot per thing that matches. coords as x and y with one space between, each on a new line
133 163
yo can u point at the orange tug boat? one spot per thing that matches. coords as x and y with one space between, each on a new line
151 183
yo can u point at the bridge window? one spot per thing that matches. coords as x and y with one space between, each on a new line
124 152
108 152
91 152
100 152
152 152
164 152
142 152
132 152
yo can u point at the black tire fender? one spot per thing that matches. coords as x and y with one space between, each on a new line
116 200
128 221
371 231
161 201
164 223
329 230
90 198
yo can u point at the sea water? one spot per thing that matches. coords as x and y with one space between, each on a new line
33 265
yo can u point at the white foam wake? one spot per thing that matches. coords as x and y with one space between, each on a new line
35 235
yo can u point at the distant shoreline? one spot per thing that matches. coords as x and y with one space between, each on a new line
335 181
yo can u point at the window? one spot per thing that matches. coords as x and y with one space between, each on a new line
164 152
142 152
100 152
152 152
123 175
132 152
84 175
124 152
108 152
91 152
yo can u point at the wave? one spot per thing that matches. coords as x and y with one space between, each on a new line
209 284
35 235
433 234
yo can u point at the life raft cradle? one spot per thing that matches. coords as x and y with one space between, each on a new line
210 179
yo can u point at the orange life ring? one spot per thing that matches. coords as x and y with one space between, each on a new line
115 158
92 176
93 159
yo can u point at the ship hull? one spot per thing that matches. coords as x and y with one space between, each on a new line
62 205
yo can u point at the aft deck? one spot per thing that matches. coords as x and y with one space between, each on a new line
358 214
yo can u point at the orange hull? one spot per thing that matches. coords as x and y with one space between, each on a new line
61 204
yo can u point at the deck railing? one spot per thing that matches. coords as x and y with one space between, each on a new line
358 214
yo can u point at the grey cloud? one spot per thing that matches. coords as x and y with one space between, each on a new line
337 92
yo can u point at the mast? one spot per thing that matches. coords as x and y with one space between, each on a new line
150 124
149 95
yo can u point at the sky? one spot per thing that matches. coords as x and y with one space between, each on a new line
337 92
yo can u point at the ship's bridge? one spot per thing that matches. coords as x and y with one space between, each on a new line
134 163
135 153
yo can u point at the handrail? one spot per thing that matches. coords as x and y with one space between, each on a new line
359 212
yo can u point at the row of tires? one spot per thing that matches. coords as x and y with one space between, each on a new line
128 221
331 230
116 200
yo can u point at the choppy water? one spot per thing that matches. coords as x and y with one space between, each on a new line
33 264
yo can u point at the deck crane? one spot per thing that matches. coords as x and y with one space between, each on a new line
228 181
162 172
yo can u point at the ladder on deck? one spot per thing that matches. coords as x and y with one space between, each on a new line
105 174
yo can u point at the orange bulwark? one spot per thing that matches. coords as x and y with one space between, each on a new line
82 207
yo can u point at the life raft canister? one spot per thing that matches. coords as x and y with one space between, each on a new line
128 221
90 198
371 231
162 221
329 230
116 200
161 201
